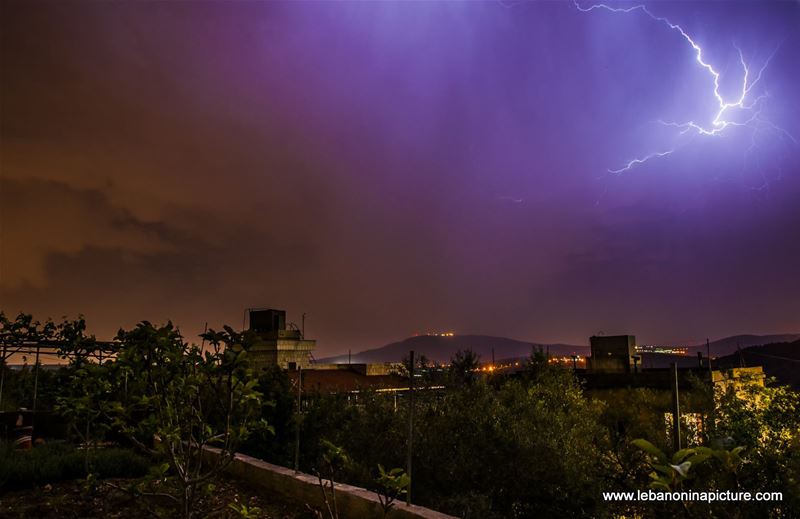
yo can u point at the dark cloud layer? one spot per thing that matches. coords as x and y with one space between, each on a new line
394 167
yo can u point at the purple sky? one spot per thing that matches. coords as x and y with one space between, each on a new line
399 167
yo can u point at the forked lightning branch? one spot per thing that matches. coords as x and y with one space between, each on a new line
744 109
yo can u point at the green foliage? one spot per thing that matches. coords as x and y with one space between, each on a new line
278 406
751 445
463 367
352 425
523 449
170 399
391 485
19 387
630 414
85 404
537 365
518 450
179 399
55 462
756 415
244 511
534 446
670 473
333 459
426 372
70 334
767 421
25 329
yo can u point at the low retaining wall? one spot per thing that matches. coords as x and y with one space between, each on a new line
352 502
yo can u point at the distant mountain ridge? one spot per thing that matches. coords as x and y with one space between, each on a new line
730 345
780 360
442 348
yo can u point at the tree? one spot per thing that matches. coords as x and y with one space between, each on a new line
520 450
751 444
392 485
86 402
24 332
15 334
765 420
186 399
331 462
463 367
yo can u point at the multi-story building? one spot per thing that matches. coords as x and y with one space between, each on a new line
612 354
278 344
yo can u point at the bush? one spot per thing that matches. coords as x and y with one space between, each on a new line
526 448
55 462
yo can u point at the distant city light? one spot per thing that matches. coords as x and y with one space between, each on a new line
664 350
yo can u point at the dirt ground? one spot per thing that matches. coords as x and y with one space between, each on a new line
70 499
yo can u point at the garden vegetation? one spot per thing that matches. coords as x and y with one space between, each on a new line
533 445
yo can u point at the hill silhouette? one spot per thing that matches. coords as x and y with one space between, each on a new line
731 344
442 349
780 360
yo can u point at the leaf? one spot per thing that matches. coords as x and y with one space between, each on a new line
698 459
682 469
664 469
681 454
650 449
658 485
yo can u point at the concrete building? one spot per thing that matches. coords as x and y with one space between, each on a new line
278 344
347 379
612 354
737 379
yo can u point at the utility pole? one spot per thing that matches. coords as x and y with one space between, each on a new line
303 325
298 416
410 423
36 379
712 421
676 410
35 384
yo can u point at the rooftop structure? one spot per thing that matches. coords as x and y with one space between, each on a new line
278 344
612 354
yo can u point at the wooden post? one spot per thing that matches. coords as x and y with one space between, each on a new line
2 375
36 379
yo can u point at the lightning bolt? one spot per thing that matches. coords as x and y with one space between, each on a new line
749 111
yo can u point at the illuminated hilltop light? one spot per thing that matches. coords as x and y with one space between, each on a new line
436 334
742 111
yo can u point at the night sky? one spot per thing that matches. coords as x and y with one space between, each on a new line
391 168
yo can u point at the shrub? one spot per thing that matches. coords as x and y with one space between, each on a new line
51 463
